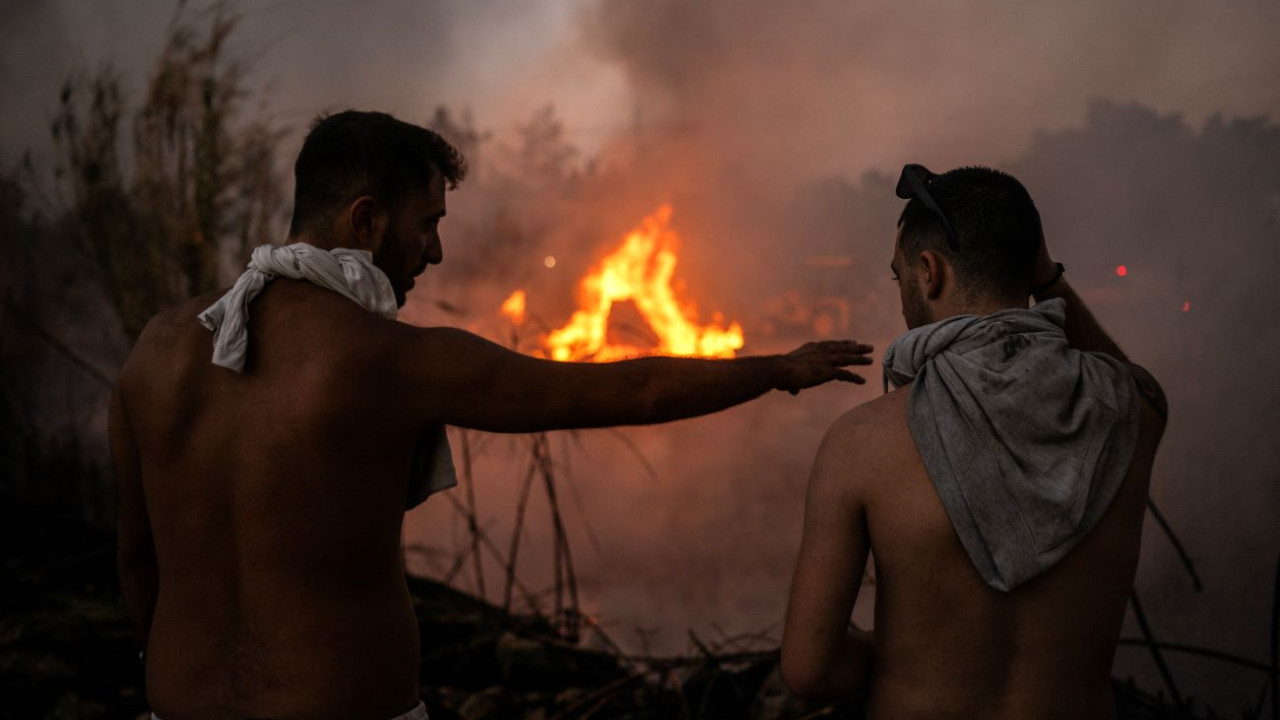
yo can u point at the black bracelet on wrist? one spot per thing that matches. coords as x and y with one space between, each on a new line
1056 277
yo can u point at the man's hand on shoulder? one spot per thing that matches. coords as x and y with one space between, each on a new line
1082 329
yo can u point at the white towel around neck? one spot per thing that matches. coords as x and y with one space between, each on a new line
350 273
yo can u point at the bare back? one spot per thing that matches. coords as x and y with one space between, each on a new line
275 498
947 644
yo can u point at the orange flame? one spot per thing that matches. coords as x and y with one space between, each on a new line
640 271
513 307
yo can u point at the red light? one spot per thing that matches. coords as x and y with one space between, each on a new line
1186 306
1121 270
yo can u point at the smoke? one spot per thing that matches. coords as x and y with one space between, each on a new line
827 87
709 539
776 133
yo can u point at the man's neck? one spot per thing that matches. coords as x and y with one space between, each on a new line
310 237
981 306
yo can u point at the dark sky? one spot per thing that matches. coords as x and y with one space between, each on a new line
856 83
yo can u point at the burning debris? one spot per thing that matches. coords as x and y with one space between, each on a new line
514 306
639 271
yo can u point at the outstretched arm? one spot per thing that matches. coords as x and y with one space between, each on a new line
823 654
136 552
460 379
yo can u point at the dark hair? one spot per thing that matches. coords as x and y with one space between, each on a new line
996 224
357 153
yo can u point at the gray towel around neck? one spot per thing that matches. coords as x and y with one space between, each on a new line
1025 439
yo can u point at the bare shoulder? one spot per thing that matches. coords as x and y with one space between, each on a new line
864 443
167 324
164 332
879 423
438 347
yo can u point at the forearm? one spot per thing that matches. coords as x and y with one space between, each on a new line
678 388
139 583
469 382
1082 328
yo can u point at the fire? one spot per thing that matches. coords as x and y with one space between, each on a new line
640 270
513 307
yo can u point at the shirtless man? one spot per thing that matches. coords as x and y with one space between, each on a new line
260 511
966 627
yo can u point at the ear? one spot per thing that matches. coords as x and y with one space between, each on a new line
932 270
367 221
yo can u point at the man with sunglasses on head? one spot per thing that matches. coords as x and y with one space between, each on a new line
1000 486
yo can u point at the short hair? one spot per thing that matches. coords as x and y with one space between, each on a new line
996 225
353 153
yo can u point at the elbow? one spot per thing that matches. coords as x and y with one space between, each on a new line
799 685
803 677
819 686
815 676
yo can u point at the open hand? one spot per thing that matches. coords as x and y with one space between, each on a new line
815 363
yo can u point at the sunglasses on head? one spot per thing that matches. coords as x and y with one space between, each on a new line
912 184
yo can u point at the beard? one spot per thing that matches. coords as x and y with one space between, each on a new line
914 308
385 258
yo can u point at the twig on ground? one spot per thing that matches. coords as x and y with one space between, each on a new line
487 543
1155 649
1200 651
573 493
597 698
469 480
516 530
1177 545
629 444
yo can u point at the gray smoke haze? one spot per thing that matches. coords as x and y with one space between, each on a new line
775 134
776 131
828 87
708 542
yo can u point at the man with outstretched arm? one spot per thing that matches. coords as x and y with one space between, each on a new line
267 441
1000 487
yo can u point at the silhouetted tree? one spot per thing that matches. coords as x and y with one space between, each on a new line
203 185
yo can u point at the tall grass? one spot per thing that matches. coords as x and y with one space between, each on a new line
201 186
